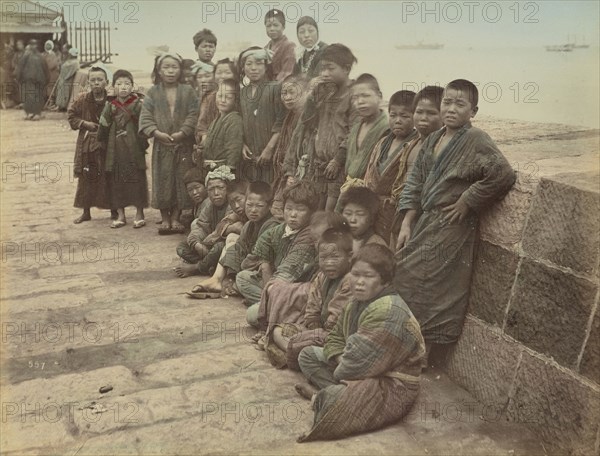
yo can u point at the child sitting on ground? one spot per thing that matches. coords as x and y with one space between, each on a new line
196 190
359 207
285 252
328 294
258 202
389 157
367 373
213 210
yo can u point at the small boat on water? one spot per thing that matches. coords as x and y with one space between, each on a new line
419 46
560 48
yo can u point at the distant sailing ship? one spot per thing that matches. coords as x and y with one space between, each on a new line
419 46
568 47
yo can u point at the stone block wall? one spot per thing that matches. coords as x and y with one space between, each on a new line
530 346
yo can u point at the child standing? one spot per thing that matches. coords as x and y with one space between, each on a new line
282 48
390 157
205 43
84 116
284 252
367 373
354 154
262 115
169 115
458 173
125 151
326 122
203 79
225 138
224 69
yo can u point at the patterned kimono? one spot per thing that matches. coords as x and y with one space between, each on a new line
170 162
284 58
433 273
223 142
232 261
125 152
354 157
383 168
325 299
262 116
89 166
381 350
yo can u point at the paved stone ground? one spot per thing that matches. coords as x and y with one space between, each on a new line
84 306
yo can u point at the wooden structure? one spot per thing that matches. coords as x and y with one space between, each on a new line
92 39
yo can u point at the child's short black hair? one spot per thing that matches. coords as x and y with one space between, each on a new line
237 186
369 80
232 67
262 189
204 35
120 74
339 54
156 70
380 258
187 64
275 14
467 87
402 98
431 93
195 174
307 20
97 69
363 197
235 87
332 219
302 192
342 237
298 78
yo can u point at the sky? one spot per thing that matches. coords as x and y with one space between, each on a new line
361 25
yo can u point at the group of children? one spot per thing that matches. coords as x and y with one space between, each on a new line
310 203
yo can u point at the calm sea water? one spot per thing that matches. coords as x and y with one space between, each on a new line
522 83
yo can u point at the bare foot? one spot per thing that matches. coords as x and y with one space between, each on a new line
186 270
305 390
208 285
229 287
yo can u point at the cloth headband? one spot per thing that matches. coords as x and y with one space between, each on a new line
260 54
102 67
164 55
222 172
200 65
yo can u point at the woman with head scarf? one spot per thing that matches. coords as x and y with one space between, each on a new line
53 62
309 62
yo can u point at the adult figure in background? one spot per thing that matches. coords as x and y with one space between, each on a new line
6 76
53 63
64 86
16 60
33 75
309 61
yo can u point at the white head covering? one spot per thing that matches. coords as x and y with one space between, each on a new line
260 54
49 45
200 65
74 52
222 172
101 66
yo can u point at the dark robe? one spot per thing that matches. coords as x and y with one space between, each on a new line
170 162
64 86
33 77
125 152
309 63
92 188
433 273
284 58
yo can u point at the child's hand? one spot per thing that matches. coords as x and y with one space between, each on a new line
455 212
291 180
164 138
265 158
178 137
246 153
90 126
403 237
332 170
